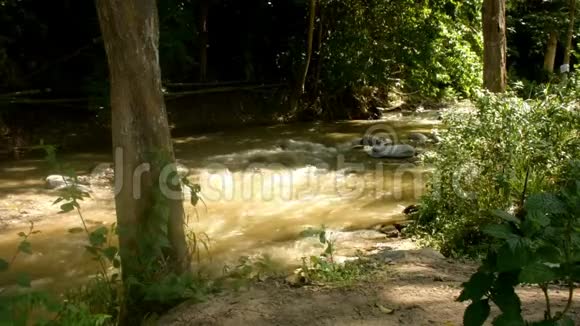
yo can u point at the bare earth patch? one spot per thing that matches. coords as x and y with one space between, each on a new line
411 287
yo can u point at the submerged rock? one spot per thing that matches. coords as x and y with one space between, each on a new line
392 151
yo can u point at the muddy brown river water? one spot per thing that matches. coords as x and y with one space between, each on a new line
262 186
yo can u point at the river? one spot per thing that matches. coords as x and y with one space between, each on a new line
261 186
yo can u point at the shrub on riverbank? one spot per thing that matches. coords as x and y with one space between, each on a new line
491 157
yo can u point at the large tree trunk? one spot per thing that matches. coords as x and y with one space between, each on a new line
550 55
570 34
150 224
203 40
309 41
494 45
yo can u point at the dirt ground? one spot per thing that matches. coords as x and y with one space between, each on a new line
412 286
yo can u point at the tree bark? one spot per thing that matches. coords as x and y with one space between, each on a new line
494 47
203 40
145 217
570 34
309 41
550 56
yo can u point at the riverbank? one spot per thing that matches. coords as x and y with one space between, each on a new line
409 286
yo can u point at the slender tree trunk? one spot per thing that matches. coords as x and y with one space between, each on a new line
143 147
494 47
203 40
318 68
550 55
309 41
570 34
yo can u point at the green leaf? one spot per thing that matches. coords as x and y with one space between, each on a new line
476 313
539 218
23 280
4 265
99 236
514 254
58 200
505 216
64 208
537 273
478 285
546 203
22 234
500 231
25 247
549 254
504 295
509 320
322 237
110 253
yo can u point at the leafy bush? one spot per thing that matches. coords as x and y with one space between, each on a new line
490 157
429 47
541 247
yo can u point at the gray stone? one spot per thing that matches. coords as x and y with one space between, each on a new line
59 182
392 151
374 140
418 138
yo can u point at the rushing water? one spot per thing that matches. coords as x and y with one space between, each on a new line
261 185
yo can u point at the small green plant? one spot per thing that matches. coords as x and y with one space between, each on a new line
325 268
539 248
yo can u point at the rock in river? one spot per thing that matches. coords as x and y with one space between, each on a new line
418 138
392 151
59 182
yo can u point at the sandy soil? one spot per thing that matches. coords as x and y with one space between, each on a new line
411 287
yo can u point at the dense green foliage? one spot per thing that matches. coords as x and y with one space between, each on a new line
540 247
491 157
430 47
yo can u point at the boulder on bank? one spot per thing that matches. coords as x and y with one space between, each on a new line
392 151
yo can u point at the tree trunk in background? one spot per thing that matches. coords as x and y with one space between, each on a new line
570 34
550 56
494 45
318 67
309 41
140 129
203 40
